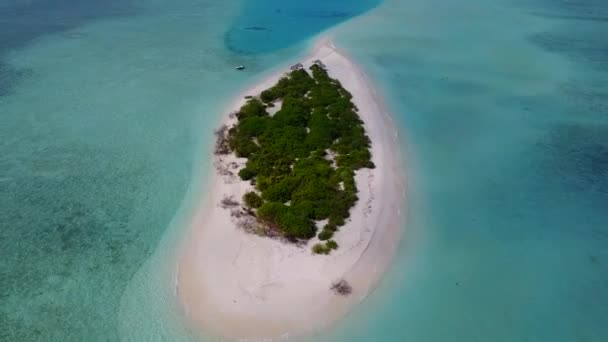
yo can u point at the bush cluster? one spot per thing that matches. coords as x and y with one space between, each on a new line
319 248
286 153
326 248
252 200
331 244
325 235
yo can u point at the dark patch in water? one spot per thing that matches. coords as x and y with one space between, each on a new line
326 14
579 9
571 17
582 47
23 21
67 224
593 259
579 156
586 98
587 44
575 150
287 23
255 28
9 76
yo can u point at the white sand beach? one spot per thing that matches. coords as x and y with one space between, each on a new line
245 287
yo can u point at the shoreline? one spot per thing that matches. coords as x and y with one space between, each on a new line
243 286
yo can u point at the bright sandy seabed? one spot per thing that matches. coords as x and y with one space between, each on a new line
245 287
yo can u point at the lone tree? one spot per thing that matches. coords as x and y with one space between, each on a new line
342 288
252 200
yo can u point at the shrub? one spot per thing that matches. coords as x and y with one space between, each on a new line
292 222
271 211
252 200
253 107
279 192
263 182
242 145
296 225
335 220
252 127
325 235
330 227
269 95
306 208
320 248
246 174
331 244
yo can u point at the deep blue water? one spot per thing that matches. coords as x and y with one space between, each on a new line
24 21
267 25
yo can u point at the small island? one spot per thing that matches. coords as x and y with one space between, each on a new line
303 141
302 212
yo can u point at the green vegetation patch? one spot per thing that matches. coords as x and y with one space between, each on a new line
287 156
320 248
252 200
326 235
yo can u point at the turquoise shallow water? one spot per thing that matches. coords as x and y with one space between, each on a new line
503 111
106 119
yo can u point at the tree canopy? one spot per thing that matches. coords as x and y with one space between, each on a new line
287 157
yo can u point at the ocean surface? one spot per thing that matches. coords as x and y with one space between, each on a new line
107 111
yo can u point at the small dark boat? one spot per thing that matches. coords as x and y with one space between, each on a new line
240 67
